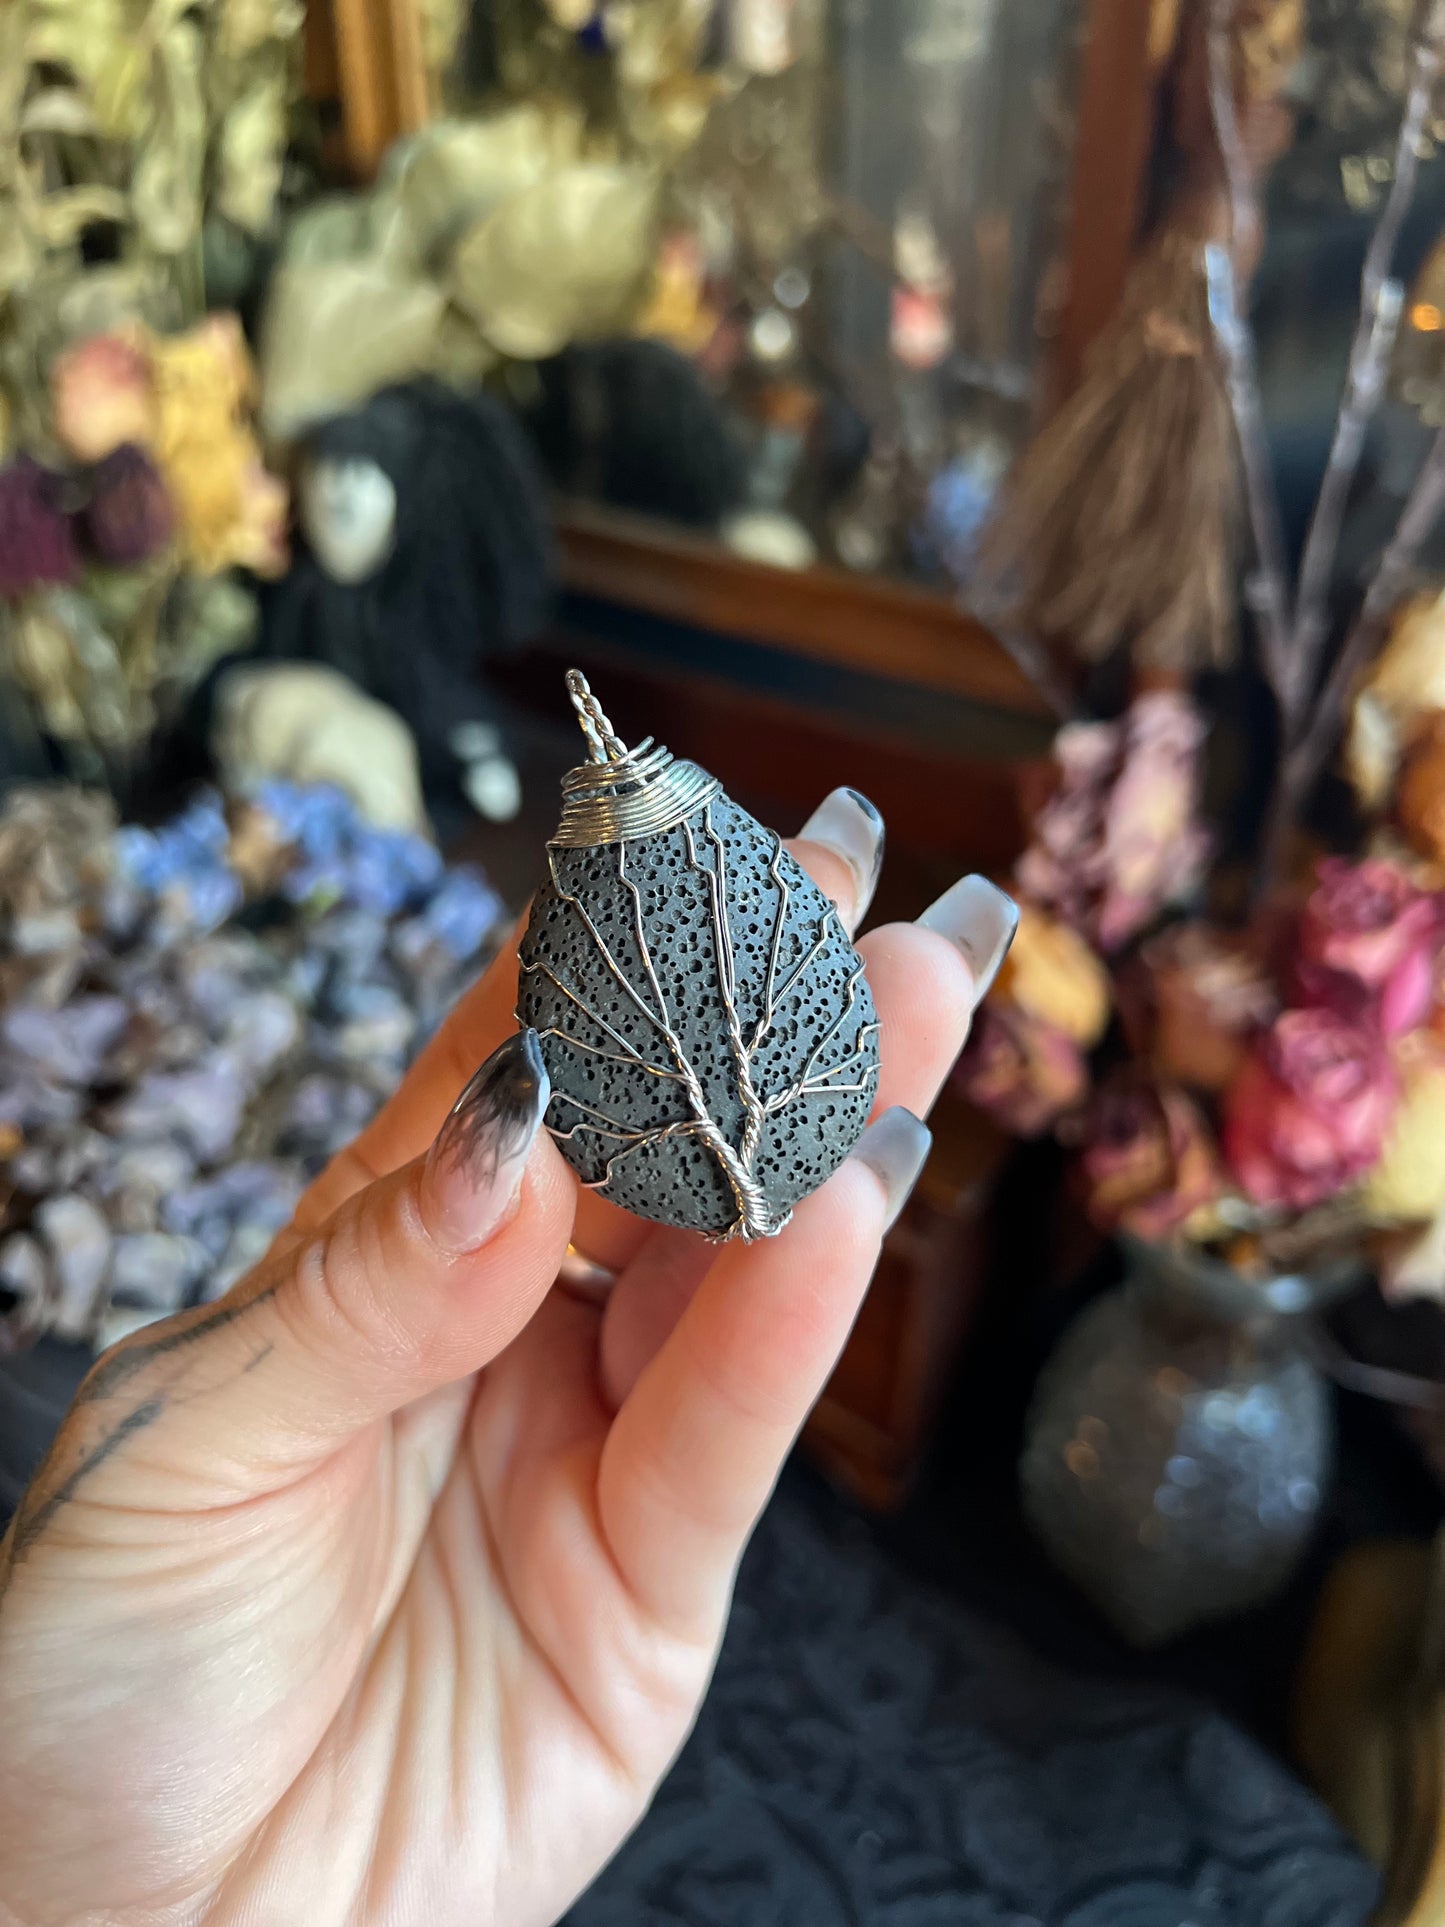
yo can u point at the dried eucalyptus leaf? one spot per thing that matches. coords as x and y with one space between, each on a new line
253 139
166 187
563 260
17 248
58 110
709 1033
456 171
333 334
245 26
107 296
57 220
42 659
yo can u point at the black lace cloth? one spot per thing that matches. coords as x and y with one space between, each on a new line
872 1755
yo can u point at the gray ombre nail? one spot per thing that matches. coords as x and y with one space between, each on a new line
846 823
895 1148
474 1169
977 917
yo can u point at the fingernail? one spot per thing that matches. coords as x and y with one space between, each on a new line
846 823
474 1169
976 916
895 1148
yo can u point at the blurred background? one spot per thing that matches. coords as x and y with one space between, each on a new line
1029 414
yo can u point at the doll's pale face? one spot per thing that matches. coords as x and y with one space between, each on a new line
348 512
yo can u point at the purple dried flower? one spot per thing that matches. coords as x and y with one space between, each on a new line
129 517
36 542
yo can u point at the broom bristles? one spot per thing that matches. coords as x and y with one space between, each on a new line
1117 521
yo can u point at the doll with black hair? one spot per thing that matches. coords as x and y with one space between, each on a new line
426 549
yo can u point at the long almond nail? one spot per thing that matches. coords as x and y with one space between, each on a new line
474 1169
977 917
895 1148
846 823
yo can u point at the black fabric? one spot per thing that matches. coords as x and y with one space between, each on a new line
871 1755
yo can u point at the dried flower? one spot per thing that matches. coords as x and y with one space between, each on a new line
1205 992
1368 941
1407 1186
1308 1112
1147 1160
1406 680
1120 839
230 509
129 518
1054 977
100 396
1025 1074
1420 798
36 543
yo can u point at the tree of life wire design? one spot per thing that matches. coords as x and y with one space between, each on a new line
755 1215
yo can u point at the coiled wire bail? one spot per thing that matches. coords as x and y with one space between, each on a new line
623 793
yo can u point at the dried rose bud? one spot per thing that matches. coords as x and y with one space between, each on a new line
36 542
129 517
130 513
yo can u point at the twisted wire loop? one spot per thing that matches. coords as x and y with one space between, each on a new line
603 743
623 793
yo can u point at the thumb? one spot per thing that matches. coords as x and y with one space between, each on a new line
416 1281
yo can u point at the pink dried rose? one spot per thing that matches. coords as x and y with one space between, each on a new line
1203 993
1147 1160
1368 942
1120 839
101 396
1308 1113
1024 1073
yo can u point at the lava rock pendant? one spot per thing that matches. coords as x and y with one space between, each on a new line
710 1036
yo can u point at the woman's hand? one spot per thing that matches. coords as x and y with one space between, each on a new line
386 1588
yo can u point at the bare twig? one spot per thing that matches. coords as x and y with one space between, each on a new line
1267 589
1268 592
1391 578
1381 300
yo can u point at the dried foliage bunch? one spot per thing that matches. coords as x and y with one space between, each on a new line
526 224
170 1079
1273 1091
130 132
1271 1084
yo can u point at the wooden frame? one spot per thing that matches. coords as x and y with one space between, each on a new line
363 60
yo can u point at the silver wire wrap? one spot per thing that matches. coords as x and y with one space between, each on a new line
623 793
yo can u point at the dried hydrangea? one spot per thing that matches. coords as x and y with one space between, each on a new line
169 1079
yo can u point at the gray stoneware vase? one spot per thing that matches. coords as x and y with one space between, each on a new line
710 1036
1180 1442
